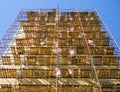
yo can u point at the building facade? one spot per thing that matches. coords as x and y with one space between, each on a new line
54 50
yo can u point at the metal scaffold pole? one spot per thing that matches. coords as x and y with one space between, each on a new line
57 53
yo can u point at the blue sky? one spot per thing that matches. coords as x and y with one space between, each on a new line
108 9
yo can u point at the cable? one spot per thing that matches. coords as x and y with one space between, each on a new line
81 4
70 4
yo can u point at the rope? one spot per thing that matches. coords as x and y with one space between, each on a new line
89 53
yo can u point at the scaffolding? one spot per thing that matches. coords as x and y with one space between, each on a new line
59 50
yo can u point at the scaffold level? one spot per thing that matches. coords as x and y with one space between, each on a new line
59 50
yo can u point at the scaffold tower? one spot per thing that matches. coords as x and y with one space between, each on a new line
59 50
